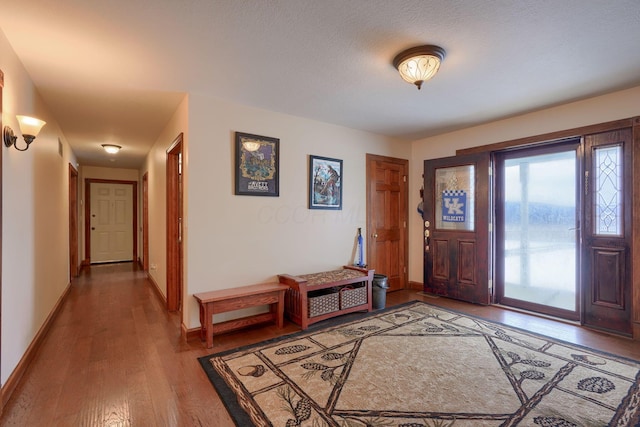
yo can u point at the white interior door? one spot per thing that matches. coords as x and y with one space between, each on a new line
111 222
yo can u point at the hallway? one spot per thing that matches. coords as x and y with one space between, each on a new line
114 357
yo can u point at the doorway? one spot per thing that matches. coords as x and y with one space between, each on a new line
456 231
174 225
145 222
387 216
107 220
559 216
74 271
537 250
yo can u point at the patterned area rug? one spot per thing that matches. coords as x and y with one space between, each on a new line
419 365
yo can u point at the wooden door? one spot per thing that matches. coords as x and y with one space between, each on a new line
456 231
387 210
73 222
174 225
607 231
145 222
111 222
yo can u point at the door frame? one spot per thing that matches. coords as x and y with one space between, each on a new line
631 122
87 214
576 145
174 226
145 222
404 221
1 155
74 270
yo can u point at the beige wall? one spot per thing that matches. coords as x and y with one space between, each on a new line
35 228
155 166
240 240
619 105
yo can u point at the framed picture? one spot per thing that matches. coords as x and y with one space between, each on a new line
257 169
325 183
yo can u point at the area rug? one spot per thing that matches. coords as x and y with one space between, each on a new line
418 365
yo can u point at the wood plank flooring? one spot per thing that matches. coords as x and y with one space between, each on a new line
114 356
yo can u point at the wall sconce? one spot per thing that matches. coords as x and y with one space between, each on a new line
29 127
111 148
419 64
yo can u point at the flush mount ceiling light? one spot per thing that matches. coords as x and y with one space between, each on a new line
111 148
29 126
419 64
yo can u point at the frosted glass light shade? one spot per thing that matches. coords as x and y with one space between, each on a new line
419 64
111 148
30 126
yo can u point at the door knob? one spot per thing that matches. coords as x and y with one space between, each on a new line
93 228
374 235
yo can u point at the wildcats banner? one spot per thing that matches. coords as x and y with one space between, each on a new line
454 205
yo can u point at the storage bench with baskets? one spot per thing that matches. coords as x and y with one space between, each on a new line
319 296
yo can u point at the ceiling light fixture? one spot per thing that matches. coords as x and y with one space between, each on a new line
111 148
29 127
419 64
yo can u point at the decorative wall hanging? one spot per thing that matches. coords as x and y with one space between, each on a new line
325 183
257 170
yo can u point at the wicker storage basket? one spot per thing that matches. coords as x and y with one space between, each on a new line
321 304
350 297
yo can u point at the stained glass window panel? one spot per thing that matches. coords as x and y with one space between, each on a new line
608 191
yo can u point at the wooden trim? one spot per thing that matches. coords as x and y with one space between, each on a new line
157 290
74 269
1 185
547 137
192 334
174 226
145 221
87 214
12 382
635 236
416 286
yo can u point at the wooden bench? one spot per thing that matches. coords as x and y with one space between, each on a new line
224 300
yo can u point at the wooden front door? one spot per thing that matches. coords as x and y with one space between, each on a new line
387 210
456 231
607 231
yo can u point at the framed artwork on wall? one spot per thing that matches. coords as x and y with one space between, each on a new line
325 183
257 166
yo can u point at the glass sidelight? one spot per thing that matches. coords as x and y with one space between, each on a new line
608 191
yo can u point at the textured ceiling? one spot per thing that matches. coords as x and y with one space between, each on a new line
114 71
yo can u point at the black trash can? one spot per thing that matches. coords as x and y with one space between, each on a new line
379 290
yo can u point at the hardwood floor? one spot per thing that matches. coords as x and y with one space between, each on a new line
114 357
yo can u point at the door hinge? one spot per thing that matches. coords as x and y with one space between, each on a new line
490 227
404 178
490 171
405 224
